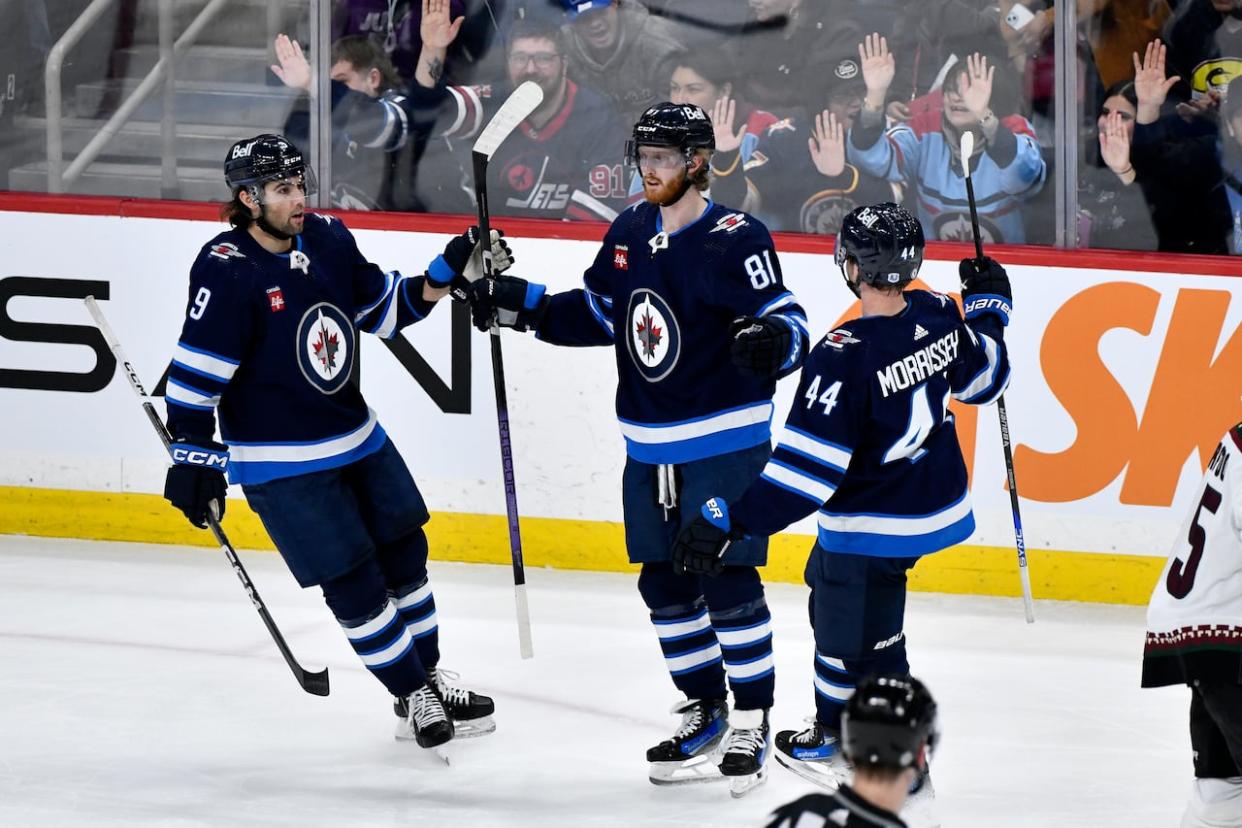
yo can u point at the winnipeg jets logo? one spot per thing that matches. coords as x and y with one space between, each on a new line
729 223
654 338
325 347
225 251
839 339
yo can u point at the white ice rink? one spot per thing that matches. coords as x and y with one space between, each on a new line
139 687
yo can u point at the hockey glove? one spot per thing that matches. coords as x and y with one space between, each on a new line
760 344
462 261
509 302
196 479
985 289
700 548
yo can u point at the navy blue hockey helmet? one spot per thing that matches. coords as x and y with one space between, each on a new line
887 721
681 126
885 240
253 162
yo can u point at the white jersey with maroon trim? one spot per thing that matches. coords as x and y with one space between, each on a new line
1194 620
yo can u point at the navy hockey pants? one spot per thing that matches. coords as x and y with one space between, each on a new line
357 532
857 608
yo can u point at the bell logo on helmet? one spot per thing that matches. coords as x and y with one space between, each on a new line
243 151
867 218
694 113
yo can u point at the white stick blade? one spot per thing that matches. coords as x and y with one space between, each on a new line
967 148
512 112
523 621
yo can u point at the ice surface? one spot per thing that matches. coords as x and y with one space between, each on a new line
139 687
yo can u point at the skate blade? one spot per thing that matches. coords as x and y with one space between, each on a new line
739 786
694 770
823 774
473 728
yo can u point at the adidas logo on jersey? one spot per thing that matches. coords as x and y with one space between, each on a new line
919 332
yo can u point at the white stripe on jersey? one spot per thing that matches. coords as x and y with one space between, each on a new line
318 450
190 396
711 424
800 442
802 483
898 525
213 365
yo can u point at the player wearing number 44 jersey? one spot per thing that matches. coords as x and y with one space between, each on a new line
270 341
689 294
869 446
1194 635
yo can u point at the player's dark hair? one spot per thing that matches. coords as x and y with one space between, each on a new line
236 213
364 54
535 28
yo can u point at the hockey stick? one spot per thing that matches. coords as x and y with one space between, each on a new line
967 147
513 111
314 683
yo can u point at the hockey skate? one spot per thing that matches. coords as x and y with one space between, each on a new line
426 721
814 754
745 751
688 755
471 712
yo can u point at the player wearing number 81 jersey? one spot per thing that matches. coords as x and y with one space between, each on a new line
1194 635
870 447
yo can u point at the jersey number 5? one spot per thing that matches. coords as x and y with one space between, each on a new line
1181 577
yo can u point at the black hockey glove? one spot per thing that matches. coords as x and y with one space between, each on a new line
700 548
197 478
985 289
760 345
462 261
509 301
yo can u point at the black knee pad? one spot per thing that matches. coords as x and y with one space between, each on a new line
403 561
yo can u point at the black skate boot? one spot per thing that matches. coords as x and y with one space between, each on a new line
426 721
745 751
686 757
471 712
814 754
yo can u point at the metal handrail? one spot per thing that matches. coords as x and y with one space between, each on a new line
59 178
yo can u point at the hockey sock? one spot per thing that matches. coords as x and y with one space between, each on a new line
417 607
375 628
691 650
745 635
834 685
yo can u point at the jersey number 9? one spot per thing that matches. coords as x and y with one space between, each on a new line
200 303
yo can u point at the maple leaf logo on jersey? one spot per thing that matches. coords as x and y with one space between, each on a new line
649 335
226 251
621 257
326 347
729 223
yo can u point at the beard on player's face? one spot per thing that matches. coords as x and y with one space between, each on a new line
659 189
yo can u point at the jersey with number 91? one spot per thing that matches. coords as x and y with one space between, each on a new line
1194 620
870 443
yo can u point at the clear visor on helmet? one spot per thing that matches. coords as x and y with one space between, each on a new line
281 189
659 158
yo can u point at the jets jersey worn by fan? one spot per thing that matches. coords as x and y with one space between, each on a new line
666 301
869 442
1194 620
271 340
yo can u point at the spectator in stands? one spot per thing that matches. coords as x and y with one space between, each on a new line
1006 166
369 124
1231 117
799 179
397 25
562 162
1112 210
1176 164
1116 29
1204 40
706 79
621 51
784 45
703 24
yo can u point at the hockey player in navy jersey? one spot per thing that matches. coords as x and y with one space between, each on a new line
869 444
270 341
689 294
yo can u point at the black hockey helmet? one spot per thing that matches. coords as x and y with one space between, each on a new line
253 162
885 240
682 126
887 720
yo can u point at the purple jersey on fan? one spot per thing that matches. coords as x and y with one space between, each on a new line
395 22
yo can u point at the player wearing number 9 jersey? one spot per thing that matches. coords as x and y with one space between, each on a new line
870 447
689 295
1194 635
